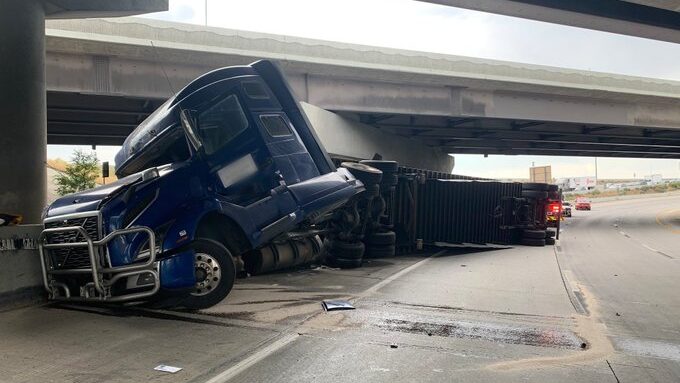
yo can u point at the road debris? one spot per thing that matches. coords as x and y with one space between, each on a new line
166 368
338 304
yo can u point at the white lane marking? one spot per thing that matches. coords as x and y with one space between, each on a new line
392 277
246 363
653 250
649 248
648 348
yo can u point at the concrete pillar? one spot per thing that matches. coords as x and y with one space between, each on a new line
347 138
23 122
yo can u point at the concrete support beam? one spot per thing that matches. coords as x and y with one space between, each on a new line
342 136
659 20
23 131
70 9
111 75
375 97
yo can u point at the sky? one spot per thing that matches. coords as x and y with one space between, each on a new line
414 25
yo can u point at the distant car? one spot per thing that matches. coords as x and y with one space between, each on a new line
582 203
566 209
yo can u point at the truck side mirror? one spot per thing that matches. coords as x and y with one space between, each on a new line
188 126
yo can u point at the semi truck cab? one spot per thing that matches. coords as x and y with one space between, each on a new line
228 165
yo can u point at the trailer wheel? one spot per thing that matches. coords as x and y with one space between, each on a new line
380 251
215 274
549 234
550 241
534 234
344 249
389 180
345 263
366 174
535 194
372 191
381 238
532 242
384 166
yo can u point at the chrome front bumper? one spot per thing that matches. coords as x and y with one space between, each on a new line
99 278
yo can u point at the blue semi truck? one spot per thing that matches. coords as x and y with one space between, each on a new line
225 177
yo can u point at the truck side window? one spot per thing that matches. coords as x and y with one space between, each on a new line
221 123
276 126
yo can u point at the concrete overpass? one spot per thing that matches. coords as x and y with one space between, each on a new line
104 76
652 19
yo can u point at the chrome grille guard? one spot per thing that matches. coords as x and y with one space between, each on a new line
100 288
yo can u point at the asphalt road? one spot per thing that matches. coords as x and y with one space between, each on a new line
627 255
602 306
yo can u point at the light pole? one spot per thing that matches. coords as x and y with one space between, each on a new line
206 12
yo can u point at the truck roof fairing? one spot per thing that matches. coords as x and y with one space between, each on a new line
160 124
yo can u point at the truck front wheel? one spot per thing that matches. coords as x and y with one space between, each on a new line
215 274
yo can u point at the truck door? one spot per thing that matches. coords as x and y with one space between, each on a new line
289 154
291 157
236 156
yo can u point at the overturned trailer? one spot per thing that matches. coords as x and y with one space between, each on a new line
441 209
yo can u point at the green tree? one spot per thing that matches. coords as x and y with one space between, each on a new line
79 175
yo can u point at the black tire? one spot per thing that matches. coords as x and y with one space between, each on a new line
534 194
534 234
380 251
549 234
550 241
532 242
207 252
385 166
366 174
372 191
535 186
344 263
389 180
346 250
386 238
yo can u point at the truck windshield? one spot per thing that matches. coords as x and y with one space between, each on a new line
220 123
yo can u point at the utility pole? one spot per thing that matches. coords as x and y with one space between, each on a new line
595 171
206 12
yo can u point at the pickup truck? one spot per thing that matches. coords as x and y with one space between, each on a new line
225 168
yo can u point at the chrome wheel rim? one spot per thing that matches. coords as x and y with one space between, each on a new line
208 274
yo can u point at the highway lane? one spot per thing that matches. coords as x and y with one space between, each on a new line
506 315
626 254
